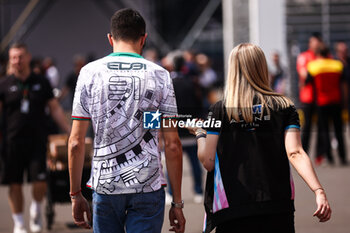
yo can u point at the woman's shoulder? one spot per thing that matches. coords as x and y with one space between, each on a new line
217 109
219 106
281 104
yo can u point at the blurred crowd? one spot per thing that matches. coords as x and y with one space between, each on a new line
196 66
323 90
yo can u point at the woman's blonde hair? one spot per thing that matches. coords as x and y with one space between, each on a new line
247 80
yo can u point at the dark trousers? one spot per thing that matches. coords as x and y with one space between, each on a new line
325 114
281 223
308 110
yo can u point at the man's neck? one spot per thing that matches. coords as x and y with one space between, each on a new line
23 76
123 47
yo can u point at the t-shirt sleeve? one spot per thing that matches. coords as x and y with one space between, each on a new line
292 118
168 103
80 109
215 113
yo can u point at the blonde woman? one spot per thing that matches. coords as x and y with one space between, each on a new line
249 185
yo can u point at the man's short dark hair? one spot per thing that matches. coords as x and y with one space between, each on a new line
316 35
178 62
127 25
19 45
323 51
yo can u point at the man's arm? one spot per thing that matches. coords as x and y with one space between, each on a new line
57 114
76 154
173 155
64 92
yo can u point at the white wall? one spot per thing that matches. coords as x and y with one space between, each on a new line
267 26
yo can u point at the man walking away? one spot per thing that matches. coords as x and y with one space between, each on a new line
118 93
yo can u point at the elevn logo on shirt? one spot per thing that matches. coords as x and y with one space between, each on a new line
126 66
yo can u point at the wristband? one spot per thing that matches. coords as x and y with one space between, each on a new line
178 205
201 135
200 131
73 195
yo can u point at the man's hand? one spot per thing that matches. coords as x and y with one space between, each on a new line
79 206
177 220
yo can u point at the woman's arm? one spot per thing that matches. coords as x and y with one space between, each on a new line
207 143
302 163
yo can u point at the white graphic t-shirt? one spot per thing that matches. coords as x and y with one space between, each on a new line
114 92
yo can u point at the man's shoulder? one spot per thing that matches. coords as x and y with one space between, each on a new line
307 55
314 62
5 80
336 62
313 67
159 71
93 65
335 65
154 65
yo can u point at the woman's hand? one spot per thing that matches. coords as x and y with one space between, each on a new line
196 130
192 130
323 211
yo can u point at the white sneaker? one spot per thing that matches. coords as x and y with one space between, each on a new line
35 223
19 229
198 198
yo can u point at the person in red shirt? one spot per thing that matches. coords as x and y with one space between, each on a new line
326 75
306 92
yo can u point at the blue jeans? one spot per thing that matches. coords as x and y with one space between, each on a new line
136 212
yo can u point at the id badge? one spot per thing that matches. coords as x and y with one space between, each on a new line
25 106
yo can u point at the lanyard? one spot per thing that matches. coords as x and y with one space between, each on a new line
25 89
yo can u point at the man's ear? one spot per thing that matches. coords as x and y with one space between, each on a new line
110 39
143 40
